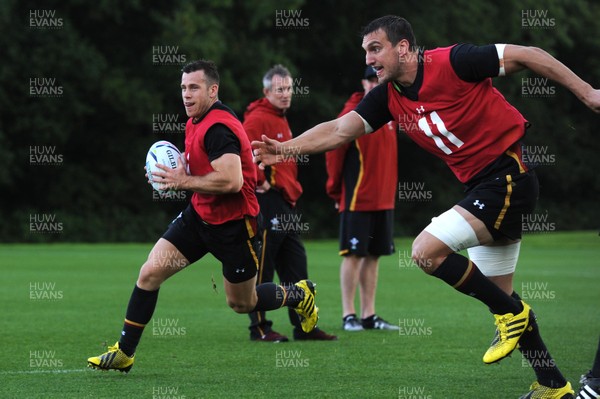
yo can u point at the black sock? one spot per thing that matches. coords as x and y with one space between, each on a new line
369 322
139 312
596 367
273 296
465 276
533 349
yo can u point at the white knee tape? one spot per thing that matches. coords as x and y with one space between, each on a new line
453 230
495 260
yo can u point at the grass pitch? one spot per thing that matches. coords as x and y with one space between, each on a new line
62 303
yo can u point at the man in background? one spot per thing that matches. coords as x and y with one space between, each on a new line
277 191
362 182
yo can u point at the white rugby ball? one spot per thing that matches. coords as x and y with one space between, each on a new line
164 153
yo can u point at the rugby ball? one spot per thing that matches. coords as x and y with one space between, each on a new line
164 153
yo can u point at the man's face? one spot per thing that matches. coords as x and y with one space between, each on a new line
280 93
385 58
197 94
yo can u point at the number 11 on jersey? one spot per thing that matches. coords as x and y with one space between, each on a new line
437 121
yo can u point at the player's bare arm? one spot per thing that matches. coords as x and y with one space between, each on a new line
517 58
323 137
225 178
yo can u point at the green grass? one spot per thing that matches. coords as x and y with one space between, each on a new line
209 353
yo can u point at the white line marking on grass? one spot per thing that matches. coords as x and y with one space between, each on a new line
43 371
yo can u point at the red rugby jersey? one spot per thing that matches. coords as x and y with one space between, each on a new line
261 117
363 174
466 124
220 208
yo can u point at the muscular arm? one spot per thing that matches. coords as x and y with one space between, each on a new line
517 58
222 148
225 178
323 137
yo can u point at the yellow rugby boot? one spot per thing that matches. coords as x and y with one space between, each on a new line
539 391
114 359
309 313
509 329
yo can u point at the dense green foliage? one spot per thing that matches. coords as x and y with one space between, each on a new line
112 68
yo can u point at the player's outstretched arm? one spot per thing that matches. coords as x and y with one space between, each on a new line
517 58
323 137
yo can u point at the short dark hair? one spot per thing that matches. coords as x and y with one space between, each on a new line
396 28
276 70
209 68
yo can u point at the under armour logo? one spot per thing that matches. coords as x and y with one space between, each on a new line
240 270
420 109
479 204
279 135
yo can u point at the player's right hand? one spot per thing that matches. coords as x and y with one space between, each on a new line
265 152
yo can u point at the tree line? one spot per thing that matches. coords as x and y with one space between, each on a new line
86 89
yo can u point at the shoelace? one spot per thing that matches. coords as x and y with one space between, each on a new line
501 325
113 348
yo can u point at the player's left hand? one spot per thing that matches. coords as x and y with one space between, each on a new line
171 179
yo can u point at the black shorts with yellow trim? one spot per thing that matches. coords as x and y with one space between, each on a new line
501 203
365 233
235 243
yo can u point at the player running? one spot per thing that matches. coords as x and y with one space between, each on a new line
220 219
445 102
